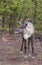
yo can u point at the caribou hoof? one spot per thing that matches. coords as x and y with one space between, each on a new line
25 56
21 52
33 57
29 54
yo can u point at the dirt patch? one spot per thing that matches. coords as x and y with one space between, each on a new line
10 52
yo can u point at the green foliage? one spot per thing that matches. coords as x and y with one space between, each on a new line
38 27
21 8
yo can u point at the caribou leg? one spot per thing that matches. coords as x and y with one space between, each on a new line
22 44
28 44
25 46
32 46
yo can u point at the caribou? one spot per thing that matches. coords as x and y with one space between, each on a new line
27 31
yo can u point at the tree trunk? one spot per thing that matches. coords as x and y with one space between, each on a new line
3 20
35 10
11 24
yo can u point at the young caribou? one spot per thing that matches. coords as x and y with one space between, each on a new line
27 31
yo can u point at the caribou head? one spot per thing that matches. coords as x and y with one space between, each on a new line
21 27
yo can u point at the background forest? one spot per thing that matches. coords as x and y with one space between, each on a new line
12 11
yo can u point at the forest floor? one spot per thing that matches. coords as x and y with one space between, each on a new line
10 51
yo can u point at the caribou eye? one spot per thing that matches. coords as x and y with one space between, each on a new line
26 24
